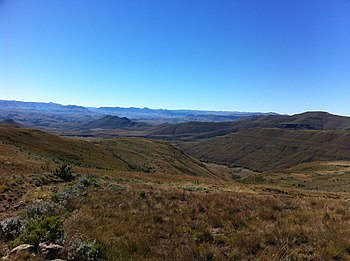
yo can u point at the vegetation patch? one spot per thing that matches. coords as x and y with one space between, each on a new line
43 229
90 251
64 172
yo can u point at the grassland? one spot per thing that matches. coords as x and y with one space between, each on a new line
271 149
27 150
138 199
172 217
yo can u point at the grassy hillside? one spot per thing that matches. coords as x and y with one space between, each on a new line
124 202
203 130
303 121
116 215
271 149
191 130
34 150
325 176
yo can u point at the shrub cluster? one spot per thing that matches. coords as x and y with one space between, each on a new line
43 229
59 201
64 172
43 220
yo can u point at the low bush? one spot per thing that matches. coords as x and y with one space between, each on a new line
64 172
87 181
43 229
10 228
42 208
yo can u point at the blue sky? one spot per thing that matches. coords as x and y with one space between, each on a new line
284 56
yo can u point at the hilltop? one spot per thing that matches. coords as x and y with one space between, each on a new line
302 121
114 122
203 130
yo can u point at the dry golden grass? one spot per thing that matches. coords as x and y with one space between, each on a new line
171 217
161 222
27 150
324 176
26 153
139 215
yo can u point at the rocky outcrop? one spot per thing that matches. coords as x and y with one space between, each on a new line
48 251
19 251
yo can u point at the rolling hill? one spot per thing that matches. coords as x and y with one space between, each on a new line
263 149
114 122
302 121
191 130
203 130
31 150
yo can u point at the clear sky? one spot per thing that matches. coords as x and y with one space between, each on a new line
285 56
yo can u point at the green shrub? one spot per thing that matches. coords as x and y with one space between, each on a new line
64 172
43 229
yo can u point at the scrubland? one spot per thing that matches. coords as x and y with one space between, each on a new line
128 216
150 201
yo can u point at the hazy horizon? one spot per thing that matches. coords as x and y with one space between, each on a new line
286 57
179 109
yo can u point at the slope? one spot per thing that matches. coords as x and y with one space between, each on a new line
192 130
306 121
28 150
271 149
203 130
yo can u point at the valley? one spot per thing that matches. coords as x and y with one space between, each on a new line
106 187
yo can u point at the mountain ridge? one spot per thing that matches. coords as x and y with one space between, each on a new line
29 113
203 130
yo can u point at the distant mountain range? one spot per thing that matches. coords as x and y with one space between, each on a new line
175 116
50 116
40 106
56 116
